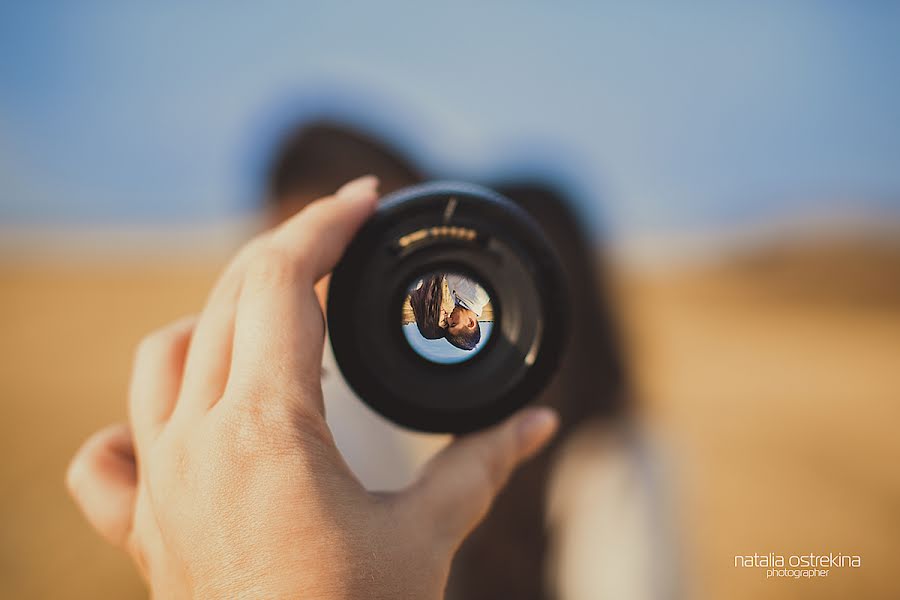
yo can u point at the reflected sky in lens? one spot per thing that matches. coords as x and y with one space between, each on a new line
440 350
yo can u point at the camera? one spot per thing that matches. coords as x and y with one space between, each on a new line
448 310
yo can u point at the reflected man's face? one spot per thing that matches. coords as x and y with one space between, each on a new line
460 320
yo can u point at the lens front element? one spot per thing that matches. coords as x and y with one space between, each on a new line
447 317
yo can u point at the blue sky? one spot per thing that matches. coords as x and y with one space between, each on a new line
656 118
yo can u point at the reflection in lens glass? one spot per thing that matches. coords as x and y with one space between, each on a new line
447 317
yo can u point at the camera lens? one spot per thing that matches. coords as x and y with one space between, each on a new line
447 311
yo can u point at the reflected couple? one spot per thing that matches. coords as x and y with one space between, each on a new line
447 317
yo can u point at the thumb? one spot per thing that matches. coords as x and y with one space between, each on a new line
458 485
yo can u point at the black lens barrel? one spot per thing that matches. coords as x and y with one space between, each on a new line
459 228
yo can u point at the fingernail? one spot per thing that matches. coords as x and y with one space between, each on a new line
536 426
365 187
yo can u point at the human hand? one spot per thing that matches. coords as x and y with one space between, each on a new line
228 484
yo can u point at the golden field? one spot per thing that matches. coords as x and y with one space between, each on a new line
773 377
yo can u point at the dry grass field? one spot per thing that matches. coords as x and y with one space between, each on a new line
774 379
65 350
